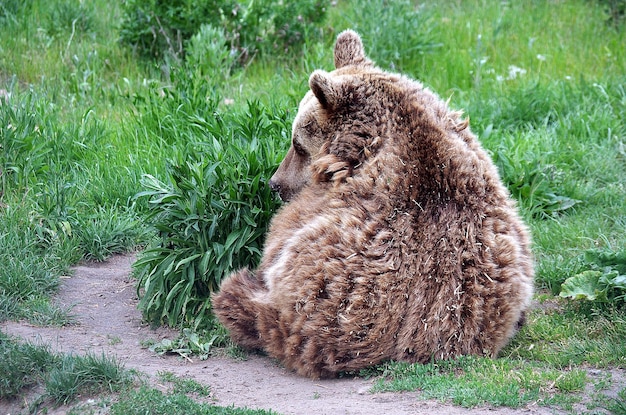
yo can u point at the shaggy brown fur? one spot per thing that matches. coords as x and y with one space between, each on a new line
399 242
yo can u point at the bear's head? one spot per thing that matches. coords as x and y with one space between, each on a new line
328 122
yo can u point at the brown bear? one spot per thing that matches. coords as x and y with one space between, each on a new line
399 241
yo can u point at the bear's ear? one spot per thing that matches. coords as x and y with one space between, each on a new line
349 50
327 91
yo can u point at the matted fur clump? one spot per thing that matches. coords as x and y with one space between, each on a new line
399 241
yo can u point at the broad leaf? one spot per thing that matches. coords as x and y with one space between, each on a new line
584 286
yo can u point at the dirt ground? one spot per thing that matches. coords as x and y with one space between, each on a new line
105 304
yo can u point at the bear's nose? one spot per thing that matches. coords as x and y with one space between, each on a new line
275 186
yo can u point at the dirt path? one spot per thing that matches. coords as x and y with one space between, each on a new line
108 321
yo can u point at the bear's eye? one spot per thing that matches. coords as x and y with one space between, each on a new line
299 149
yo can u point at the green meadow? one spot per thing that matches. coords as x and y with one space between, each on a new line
119 134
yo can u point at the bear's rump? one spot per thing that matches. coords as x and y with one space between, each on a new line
378 301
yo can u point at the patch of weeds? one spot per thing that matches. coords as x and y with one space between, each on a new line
573 381
108 231
147 343
552 270
371 372
89 374
151 401
23 148
473 381
215 342
92 234
190 342
41 312
603 380
113 340
22 365
528 107
236 352
184 386
560 334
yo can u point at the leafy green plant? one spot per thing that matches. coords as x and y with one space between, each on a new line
38 152
293 21
211 216
605 281
153 28
208 54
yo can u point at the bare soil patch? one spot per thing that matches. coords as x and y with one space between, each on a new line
105 304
